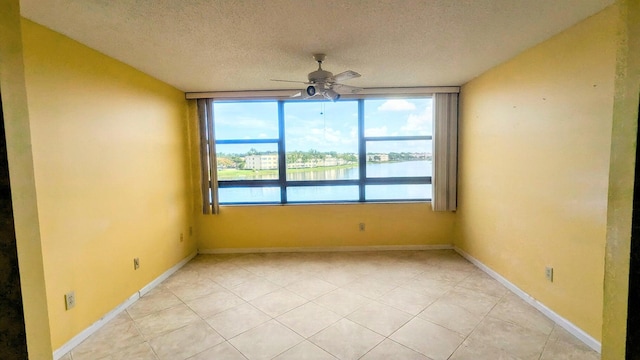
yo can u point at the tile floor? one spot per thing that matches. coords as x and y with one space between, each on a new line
358 305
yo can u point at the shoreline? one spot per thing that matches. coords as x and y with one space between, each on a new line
234 174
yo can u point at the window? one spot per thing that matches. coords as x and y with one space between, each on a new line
292 151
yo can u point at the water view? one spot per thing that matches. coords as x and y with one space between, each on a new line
331 193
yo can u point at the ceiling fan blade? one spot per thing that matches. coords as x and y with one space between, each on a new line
346 88
291 81
345 75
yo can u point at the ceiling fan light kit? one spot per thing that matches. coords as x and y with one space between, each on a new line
311 90
331 95
322 82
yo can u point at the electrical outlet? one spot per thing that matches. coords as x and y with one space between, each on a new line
361 226
136 263
70 300
548 272
181 237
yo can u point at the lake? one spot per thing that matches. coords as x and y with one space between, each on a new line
338 193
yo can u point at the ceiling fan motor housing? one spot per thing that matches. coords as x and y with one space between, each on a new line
319 76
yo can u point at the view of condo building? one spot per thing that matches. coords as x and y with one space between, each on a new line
270 161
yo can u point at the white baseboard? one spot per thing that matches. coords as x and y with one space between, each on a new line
84 334
555 317
324 249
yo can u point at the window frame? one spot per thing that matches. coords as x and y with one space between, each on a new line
362 180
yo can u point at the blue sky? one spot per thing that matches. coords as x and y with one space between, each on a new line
325 126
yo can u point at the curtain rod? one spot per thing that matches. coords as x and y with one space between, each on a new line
253 94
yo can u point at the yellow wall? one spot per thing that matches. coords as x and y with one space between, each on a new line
23 191
112 176
324 226
621 182
535 137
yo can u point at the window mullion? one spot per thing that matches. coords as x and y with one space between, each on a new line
362 150
282 157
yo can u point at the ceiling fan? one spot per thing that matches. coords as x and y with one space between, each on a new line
324 83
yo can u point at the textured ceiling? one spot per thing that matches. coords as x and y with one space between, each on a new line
225 45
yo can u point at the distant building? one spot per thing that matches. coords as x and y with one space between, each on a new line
377 157
261 162
326 161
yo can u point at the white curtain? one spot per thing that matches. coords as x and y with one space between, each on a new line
445 151
208 167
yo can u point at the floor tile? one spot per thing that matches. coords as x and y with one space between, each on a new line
338 276
562 345
223 351
370 286
474 350
450 260
185 275
305 351
192 290
278 302
516 340
185 342
166 320
484 283
311 288
266 341
255 288
513 309
236 320
396 273
452 317
155 300
559 351
308 319
284 277
389 349
140 351
560 334
430 287
346 340
232 277
470 300
341 301
446 274
116 335
214 303
428 339
409 301
380 318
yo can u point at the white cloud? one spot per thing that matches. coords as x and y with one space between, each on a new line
419 124
381 131
322 139
247 122
396 105
353 133
326 135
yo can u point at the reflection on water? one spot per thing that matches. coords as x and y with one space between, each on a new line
322 174
399 169
323 193
374 170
